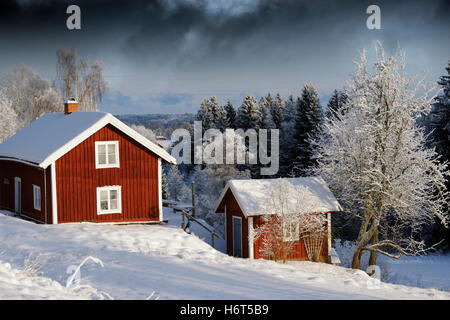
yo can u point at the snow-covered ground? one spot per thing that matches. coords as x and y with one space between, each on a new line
15 284
430 271
139 260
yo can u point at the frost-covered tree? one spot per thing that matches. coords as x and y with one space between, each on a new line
336 104
206 114
164 187
76 78
215 112
30 95
231 114
439 118
8 118
144 131
308 121
277 109
221 120
287 133
265 106
176 186
375 159
209 183
438 127
292 221
249 114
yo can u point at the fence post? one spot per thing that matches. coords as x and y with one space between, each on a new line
212 239
182 220
193 198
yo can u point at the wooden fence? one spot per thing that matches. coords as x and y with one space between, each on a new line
191 218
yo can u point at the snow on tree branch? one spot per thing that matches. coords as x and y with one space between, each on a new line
374 156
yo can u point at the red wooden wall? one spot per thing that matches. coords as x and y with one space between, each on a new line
298 251
77 180
29 175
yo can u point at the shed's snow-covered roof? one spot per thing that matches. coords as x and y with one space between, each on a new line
252 194
54 134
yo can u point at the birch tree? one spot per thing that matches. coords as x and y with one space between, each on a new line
77 79
30 95
375 159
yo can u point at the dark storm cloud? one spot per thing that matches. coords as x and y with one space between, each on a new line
194 33
222 47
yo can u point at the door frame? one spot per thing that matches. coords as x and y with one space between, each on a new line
17 191
237 218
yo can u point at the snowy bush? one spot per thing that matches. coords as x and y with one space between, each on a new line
33 264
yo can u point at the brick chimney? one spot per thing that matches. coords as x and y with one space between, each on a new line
70 105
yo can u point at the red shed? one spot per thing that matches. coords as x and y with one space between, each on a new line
82 166
242 201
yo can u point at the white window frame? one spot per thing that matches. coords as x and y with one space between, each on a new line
291 231
107 165
119 200
37 206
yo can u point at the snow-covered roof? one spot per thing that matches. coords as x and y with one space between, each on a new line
54 134
252 194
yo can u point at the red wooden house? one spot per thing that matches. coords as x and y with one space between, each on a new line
242 201
81 166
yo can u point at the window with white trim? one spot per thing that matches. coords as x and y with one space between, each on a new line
290 231
106 154
37 197
109 200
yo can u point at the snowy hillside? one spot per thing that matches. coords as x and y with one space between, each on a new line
139 260
15 284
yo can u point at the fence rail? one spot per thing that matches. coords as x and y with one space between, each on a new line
189 217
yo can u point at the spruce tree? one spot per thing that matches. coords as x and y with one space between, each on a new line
336 104
308 121
205 115
439 118
266 116
231 114
287 133
249 114
438 125
277 109
222 120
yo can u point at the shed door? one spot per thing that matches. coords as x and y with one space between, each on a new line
237 237
18 195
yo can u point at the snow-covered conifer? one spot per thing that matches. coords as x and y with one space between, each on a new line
249 114
277 109
231 114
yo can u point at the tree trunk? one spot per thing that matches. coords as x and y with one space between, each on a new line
373 254
356 262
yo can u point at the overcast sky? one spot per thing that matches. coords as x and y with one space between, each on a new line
166 56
